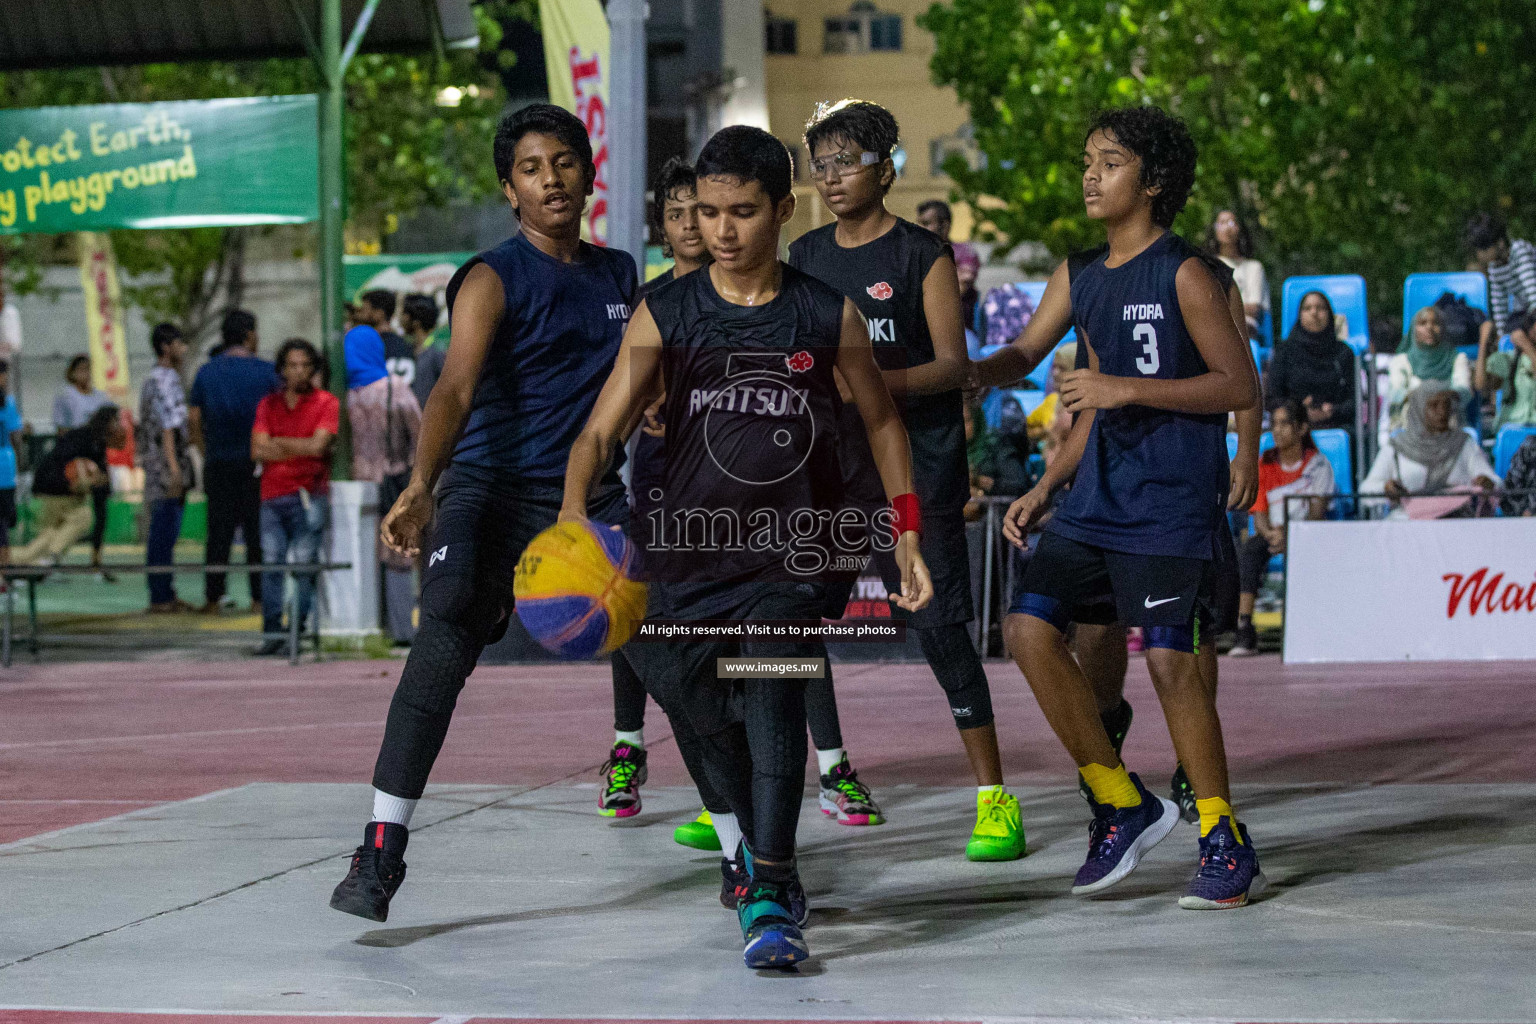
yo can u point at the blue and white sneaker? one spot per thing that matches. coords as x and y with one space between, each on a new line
1229 871
1119 837
768 928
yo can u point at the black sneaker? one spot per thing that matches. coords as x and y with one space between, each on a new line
268 648
1117 723
375 875
1247 643
1183 794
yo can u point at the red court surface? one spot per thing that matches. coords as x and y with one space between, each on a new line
83 742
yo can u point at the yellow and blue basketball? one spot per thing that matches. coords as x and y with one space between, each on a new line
573 590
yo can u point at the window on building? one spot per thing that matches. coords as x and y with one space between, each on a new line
864 29
780 34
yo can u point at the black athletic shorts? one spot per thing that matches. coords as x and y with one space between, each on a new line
1066 579
1226 586
685 670
943 547
481 525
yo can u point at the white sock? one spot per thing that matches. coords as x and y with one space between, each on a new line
998 790
392 808
634 739
729 833
829 759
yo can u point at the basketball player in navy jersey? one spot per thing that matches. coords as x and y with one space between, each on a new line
1167 364
902 279
745 350
536 323
1097 637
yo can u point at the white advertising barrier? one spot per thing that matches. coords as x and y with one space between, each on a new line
1390 590
352 595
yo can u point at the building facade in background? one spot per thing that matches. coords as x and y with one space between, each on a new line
817 50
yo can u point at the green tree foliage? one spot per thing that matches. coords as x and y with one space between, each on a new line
404 152
1353 135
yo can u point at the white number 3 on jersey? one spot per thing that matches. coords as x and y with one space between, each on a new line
1147 362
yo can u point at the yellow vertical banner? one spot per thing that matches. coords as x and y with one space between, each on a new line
576 54
104 315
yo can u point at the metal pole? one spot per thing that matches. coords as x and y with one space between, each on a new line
626 128
332 184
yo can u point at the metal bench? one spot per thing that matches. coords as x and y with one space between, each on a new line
37 573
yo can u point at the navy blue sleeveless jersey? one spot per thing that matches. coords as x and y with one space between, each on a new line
1151 481
750 473
884 278
555 346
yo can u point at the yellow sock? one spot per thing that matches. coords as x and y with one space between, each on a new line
1111 785
1212 810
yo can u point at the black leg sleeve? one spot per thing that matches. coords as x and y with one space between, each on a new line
957 666
628 696
1252 562
821 712
455 625
99 496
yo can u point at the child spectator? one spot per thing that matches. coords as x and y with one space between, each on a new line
1313 366
1508 375
1423 356
1293 466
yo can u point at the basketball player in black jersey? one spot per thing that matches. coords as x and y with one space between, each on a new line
902 278
745 350
1097 637
1167 363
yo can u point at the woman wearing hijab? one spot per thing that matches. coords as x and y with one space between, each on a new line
1314 367
1430 455
385 419
1424 356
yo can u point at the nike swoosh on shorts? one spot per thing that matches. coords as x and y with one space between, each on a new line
1149 603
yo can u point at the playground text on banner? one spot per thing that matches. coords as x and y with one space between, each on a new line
193 163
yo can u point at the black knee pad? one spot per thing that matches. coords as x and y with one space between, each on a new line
958 668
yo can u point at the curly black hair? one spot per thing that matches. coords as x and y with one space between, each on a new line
1165 147
676 178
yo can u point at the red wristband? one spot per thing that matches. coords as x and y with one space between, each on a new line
906 516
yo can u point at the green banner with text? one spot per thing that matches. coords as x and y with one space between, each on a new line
192 163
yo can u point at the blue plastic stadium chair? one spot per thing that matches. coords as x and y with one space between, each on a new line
1231 446
1028 401
1509 438
1040 376
1260 355
1420 290
1335 443
1267 329
1346 293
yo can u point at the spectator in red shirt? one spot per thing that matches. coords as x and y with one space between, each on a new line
291 438
1293 466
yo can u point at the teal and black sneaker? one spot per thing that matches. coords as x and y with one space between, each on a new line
769 933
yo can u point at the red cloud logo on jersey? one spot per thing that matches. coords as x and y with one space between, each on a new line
881 291
800 361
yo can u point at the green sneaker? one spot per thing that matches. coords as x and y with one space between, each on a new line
999 833
698 833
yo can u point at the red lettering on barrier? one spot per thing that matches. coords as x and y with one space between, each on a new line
1487 594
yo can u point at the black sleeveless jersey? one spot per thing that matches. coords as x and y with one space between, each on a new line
1151 481
750 475
884 278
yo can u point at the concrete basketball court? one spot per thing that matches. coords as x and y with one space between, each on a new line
172 833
